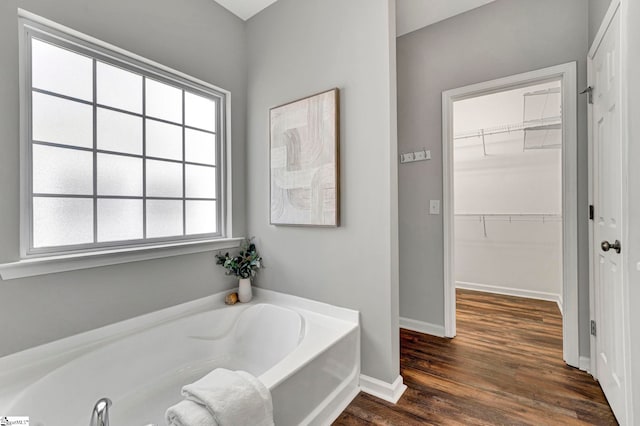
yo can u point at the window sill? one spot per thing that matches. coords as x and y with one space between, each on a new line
51 265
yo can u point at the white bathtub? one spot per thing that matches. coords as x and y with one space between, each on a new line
306 353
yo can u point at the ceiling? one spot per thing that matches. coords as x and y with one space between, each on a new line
410 15
245 9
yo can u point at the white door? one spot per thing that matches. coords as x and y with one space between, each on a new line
609 247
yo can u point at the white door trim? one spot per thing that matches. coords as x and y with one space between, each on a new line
566 73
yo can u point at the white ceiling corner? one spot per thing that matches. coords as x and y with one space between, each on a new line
410 14
415 14
245 9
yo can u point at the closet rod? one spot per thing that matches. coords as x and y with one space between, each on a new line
519 217
509 214
539 124
483 217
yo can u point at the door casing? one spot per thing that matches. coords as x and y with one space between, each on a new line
566 73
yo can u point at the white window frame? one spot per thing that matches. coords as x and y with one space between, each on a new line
37 262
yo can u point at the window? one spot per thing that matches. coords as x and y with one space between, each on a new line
118 152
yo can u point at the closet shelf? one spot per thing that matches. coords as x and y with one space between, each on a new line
535 104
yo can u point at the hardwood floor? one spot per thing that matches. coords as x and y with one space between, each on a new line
504 367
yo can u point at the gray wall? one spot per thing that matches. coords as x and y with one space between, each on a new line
301 47
597 10
197 37
497 40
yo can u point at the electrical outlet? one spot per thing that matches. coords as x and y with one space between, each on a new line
434 206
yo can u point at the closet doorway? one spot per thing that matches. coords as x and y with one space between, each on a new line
509 200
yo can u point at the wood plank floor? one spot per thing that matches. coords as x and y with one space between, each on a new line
504 367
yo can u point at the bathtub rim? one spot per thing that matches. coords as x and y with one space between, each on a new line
90 339
24 367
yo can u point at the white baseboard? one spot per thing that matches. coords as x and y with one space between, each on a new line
390 392
529 294
559 303
422 327
585 364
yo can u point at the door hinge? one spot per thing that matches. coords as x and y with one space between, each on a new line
591 212
589 92
593 328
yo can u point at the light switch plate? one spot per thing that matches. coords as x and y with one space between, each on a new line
411 157
408 157
434 206
422 155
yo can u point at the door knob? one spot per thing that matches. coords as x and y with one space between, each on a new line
606 246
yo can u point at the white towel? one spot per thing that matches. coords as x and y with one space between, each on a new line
234 398
189 413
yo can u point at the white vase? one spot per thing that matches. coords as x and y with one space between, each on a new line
244 290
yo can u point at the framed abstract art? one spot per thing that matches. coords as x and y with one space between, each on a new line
304 161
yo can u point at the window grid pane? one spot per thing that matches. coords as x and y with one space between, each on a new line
132 195
59 120
118 88
119 175
60 70
62 221
164 179
119 219
119 132
58 170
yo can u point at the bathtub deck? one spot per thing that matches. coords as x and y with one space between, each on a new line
504 367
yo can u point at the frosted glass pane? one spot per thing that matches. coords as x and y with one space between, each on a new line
199 112
164 140
61 71
118 88
119 132
62 121
163 101
164 179
201 217
200 147
62 221
62 171
119 220
164 218
119 175
200 182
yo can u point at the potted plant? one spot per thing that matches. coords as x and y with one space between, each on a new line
244 265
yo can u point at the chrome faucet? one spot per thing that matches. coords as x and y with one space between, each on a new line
100 415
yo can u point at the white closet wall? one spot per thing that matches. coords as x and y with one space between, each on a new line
508 192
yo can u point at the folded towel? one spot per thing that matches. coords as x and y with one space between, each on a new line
234 398
189 413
